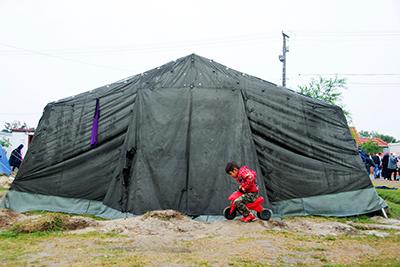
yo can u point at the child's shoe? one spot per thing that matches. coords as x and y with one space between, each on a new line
249 218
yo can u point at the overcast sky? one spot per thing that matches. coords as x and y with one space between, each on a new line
54 49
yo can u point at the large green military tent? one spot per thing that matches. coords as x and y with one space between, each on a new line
161 140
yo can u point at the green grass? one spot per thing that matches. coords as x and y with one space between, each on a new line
3 191
236 262
45 212
392 198
355 219
10 234
377 262
394 209
13 235
15 247
391 195
53 222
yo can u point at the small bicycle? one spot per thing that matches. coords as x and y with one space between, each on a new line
230 212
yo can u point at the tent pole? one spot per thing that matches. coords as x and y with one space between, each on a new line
384 213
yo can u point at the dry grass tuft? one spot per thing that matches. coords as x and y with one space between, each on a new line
8 217
165 215
51 222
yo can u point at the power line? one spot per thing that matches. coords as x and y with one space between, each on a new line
348 74
154 47
345 34
385 84
62 58
17 113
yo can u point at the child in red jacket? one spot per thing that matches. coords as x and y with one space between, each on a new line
247 185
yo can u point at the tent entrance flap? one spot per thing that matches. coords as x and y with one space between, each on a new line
219 133
185 138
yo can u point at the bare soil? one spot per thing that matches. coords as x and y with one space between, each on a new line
168 238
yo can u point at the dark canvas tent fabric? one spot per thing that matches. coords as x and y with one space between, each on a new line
164 137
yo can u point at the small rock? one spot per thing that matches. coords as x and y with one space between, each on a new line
376 233
383 220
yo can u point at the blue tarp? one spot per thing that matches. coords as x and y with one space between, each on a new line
4 165
385 187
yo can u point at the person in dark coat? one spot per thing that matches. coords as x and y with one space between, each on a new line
368 162
16 157
385 170
378 164
392 166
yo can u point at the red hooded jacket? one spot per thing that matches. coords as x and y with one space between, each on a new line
247 179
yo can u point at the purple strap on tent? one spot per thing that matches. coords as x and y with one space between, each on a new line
95 125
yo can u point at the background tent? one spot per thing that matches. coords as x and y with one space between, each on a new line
4 165
161 140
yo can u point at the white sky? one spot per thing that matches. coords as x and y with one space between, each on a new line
54 49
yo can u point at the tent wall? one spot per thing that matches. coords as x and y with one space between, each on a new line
60 160
304 146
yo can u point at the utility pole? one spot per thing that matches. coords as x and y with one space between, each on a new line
282 58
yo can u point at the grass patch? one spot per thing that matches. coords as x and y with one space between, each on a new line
14 246
95 235
394 209
5 235
164 215
132 260
321 258
375 262
45 212
187 260
246 263
3 192
393 237
392 198
290 235
244 239
47 223
51 222
16 249
391 195
330 238
355 219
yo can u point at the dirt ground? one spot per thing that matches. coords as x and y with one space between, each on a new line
168 238
378 182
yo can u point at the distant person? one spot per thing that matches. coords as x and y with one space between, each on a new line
392 166
16 157
380 154
368 162
398 168
377 160
385 170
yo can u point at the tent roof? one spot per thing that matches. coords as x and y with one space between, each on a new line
187 72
